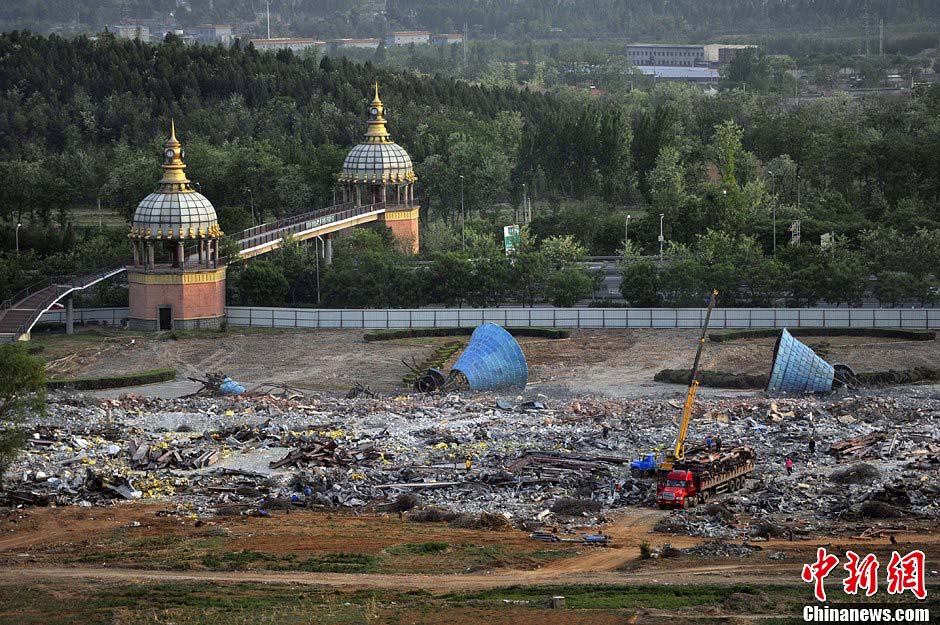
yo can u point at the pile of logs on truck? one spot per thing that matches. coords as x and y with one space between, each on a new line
693 480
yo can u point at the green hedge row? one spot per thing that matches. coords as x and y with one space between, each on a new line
407 333
911 334
117 381
723 379
718 379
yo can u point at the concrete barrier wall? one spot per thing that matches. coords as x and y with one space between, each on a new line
260 317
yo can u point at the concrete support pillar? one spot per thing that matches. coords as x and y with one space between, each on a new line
358 196
180 254
136 253
150 260
328 250
69 315
199 246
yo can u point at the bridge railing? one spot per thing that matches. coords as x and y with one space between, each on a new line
287 221
310 221
53 289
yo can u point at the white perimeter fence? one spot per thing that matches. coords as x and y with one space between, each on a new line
258 317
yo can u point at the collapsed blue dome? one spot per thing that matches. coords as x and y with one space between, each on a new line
493 360
797 368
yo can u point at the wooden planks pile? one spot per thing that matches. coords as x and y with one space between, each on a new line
145 456
326 452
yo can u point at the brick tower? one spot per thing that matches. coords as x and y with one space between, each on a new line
380 170
177 280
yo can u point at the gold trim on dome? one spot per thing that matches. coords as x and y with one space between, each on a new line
174 180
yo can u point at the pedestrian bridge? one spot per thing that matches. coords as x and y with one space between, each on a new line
20 313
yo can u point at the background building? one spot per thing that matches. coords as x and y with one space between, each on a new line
446 38
296 44
338 44
212 33
641 54
129 30
407 37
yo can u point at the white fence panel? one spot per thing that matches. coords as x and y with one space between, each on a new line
264 317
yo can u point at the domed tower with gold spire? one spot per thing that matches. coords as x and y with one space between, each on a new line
379 170
177 280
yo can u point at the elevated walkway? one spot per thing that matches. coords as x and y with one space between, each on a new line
20 313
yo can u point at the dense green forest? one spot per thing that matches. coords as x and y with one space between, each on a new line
83 121
584 18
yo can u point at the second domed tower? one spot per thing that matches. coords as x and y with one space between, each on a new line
378 170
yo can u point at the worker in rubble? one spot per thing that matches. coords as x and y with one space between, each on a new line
812 445
469 463
789 465
708 442
718 443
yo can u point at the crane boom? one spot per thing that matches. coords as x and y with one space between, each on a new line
678 452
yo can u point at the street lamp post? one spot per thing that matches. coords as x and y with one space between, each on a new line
799 183
626 235
661 237
251 197
463 221
18 226
773 193
525 204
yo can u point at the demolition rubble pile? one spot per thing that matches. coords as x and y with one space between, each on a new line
476 453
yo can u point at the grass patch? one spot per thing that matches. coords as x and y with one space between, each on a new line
910 334
417 548
407 333
117 381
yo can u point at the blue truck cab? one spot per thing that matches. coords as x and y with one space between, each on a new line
647 465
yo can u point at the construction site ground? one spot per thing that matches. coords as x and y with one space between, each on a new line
127 564
162 560
614 363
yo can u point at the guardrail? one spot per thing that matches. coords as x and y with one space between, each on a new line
610 318
308 221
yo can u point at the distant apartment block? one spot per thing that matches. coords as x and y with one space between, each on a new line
723 53
445 39
339 44
295 44
212 33
130 31
408 37
665 55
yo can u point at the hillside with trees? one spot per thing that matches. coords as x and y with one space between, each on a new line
86 119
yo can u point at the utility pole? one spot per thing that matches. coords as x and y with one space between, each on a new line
268 9
773 193
865 16
881 37
466 35
463 221
99 213
17 234
252 198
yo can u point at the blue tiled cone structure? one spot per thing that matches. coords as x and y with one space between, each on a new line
493 360
797 369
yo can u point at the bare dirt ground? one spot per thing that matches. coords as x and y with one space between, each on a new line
619 363
72 544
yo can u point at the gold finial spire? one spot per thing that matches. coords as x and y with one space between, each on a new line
377 133
174 180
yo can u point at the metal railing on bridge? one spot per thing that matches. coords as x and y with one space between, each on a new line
266 233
